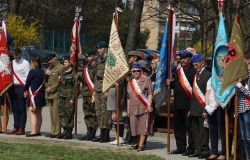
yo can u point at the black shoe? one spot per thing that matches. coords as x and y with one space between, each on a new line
187 153
194 155
33 135
177 151
92 135
48 135
105 137
60 136
68 134
86 135
53 136
203 156
97 139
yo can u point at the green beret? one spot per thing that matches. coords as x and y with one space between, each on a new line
102 44
90 52
134 53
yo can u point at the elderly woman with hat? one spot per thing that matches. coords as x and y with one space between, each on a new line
139 100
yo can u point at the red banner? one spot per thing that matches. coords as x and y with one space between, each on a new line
5 63
75 48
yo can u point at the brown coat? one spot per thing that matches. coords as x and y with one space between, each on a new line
136 107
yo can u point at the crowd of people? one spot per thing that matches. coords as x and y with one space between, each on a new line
195 105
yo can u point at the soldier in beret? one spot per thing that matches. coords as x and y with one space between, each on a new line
51 94
88 104
104 118
66 98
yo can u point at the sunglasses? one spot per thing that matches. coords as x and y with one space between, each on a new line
136 71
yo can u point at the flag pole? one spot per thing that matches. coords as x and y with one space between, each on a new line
235 111
117 92
78 10
5 113
170 28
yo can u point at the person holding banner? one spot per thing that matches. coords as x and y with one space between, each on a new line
198 112
35 91
182 84
2 125
104 118
243 95
216 121
51 94
88 105
21 68
139 100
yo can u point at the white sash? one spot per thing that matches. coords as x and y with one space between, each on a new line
184 81
136 89
88 80
198 93
32 95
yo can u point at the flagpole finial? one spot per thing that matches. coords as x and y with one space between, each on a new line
78 10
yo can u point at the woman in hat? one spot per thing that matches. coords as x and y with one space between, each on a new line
66 98
35 91
139 107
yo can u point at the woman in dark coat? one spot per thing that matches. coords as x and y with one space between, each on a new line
35 91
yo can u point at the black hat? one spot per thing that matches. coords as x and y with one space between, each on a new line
50 57
90 52
185 54
102 44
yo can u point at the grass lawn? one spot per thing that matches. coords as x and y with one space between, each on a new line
31 149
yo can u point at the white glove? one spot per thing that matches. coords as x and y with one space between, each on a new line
210 109
238 85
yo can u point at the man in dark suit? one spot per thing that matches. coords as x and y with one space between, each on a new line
184 77
197 109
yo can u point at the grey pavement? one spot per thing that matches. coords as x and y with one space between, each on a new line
156 145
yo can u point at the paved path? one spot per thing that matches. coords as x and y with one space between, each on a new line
156 145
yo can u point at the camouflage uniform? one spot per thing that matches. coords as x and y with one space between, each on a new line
104 118
66 93
103 115
87 106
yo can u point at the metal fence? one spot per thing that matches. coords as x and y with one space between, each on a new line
60 41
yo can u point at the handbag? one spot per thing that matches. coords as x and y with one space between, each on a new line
128 137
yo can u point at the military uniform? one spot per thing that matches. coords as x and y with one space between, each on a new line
52 98
104 118
66 92
89 105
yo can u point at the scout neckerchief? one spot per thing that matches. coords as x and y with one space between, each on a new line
184 82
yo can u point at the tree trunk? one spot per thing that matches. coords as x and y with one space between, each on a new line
134 26
14 6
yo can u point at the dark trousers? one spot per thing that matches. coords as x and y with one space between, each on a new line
201 135
217 124
18 104
240 147
182 126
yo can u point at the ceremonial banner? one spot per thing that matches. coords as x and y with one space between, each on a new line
160 88
219 57
235 67
116 64
75 49
5 63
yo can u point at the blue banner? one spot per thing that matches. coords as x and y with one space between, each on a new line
160 88
219 58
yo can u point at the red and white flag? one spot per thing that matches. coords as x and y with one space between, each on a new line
75 49
5 63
